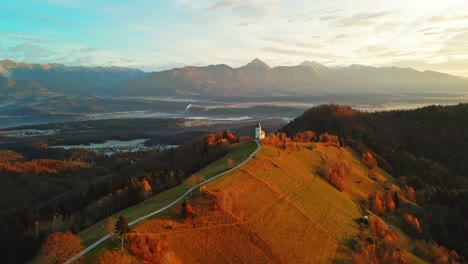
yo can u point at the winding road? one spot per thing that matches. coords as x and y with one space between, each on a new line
95 244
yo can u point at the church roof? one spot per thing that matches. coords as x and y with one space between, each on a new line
258 124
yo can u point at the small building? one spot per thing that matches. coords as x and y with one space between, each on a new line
259 134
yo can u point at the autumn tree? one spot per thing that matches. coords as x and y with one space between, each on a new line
230 163
376 204
336 172
389 203
60 247
371 164
151 250
110 226
396 199
186 209
115 257
304 137
410 194
145 188
122 228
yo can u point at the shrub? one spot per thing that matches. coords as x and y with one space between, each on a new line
304 137
59 247
434 253
336 173
371 164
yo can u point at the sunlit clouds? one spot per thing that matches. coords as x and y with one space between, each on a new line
157 35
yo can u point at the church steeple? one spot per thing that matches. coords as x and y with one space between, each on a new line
259 134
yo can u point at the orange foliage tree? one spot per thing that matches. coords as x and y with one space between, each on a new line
434 253
376 204
380 204
304 137
279 140
410 194
150 250
59 247
371 164
384 247
336 172
325 137
115 257
145 188
413 223
389 202
186 209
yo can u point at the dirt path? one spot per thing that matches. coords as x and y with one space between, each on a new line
104 238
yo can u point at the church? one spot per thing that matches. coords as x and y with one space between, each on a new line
259 134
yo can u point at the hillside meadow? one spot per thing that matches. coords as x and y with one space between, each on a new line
277 208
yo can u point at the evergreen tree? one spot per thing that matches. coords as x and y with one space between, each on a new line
122 227
396 200
186 210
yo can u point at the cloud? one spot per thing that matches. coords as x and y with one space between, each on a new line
448 17
362 19
26 51
226 4
296 52
455 46
292 41
325 13
342 37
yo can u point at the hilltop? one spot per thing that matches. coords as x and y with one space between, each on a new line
276 209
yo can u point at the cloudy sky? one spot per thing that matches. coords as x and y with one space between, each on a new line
160 34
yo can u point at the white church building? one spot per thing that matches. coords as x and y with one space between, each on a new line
259 134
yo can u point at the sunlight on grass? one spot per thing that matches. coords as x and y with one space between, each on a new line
239 152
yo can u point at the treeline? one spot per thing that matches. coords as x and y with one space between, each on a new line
24 228
425 148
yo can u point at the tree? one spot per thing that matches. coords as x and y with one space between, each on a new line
122 228
389 203
396 200
110 226
230 163
371 163
186 210
60 247
145 188
115 257
377 204
336 172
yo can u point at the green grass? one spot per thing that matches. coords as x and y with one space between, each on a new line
238 153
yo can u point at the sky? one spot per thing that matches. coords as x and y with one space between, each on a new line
156 35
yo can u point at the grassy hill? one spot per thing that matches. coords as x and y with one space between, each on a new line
276 208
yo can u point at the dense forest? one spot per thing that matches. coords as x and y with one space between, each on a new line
46 190
425 149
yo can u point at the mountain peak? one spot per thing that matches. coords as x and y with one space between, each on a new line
257 64
313 64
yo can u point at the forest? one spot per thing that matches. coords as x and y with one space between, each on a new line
425 149
47 190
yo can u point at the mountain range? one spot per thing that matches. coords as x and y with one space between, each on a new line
254 79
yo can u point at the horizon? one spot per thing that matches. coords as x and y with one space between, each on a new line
233 67
171 34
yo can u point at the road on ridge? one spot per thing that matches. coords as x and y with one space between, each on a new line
95 244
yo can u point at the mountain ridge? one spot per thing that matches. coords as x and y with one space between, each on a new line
256 78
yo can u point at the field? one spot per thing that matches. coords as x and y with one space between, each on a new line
238 153
274 209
